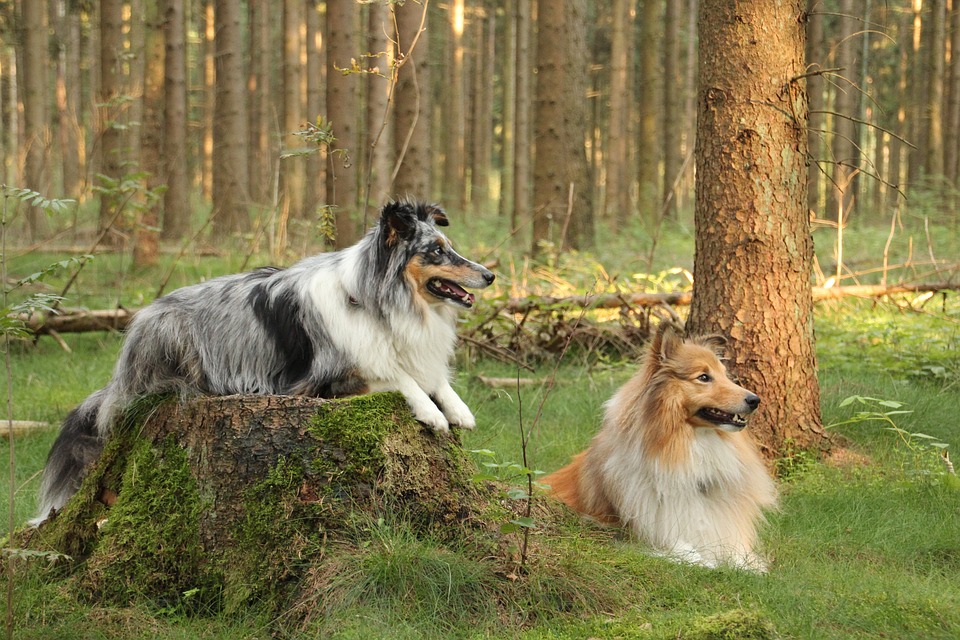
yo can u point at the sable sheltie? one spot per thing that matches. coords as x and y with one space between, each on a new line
671 462
377 316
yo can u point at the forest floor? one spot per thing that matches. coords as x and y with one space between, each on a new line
865 545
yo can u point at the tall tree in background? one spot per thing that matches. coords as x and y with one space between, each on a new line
35 59
291 169
176 199
230 181
262 110
617 156
110 103
672 114
412 114
647 129
814 51
66 22
754 248
314 187
455 134
378 145
561 186
845 145
523 129
343 110
151 130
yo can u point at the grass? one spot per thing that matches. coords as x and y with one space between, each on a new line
866 543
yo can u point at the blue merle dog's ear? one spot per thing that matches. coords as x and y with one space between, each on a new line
398 221
436 215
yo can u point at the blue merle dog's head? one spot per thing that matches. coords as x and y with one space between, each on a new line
413 246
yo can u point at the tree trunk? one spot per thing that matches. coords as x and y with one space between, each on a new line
454 131
934 35
951 120
291 169
754 249
111 90
648 202
814 53
262 159
314 187
146 238
68 101
508 75
523 142
35 60
239 495
671 107
378 147
617 156
230 199
481 159
343 111
412 115
176 203
562 209
209 97
846 156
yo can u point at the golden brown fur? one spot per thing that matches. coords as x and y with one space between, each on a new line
671 462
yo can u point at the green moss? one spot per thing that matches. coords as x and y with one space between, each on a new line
150 546
732 625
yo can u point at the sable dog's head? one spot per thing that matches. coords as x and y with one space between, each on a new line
690 372
436 273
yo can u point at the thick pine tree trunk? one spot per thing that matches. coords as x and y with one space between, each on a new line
240 496
753 244
343 107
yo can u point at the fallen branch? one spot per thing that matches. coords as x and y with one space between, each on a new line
79 321
18 427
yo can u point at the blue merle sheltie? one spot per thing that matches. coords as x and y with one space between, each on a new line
377 316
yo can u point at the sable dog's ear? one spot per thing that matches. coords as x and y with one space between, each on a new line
716 342
665 342
398 221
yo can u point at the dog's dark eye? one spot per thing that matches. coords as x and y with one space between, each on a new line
438 250
704 377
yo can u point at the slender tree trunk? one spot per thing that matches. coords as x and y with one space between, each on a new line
209 98
260 162
617 156
951 120
894 173
145 247
508 75
671 107
291 169
754 249
846 156
814 53
454 110
111 89
412 114
176 199
343 110
35 60
67 84
314 188
230 199
378 146
481 157
934 35
523 141
647 135
563 213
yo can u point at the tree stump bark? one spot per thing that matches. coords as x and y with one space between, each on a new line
234 496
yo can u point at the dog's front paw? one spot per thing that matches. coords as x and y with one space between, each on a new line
459 415
432 418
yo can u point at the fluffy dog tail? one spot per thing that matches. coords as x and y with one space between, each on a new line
77 446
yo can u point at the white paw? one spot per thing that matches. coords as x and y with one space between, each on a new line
432 417
458 414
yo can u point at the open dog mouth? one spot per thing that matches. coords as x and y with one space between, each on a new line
722 418
449 290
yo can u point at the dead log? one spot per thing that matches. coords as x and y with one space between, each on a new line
78 321
10 428
237 496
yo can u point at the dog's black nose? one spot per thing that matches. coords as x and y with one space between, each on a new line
489 277
753 401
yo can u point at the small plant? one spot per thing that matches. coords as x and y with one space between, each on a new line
928 452
521 478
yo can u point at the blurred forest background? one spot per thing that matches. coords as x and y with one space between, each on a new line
165 118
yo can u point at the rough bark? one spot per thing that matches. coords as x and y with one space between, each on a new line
671 107
35 59
412 115
230 180
111 89
146 238
176 204
561 185
523 142
345 155
648 201
618 157
754 248
239 496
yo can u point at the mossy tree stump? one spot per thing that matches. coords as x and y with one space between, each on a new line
234 496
